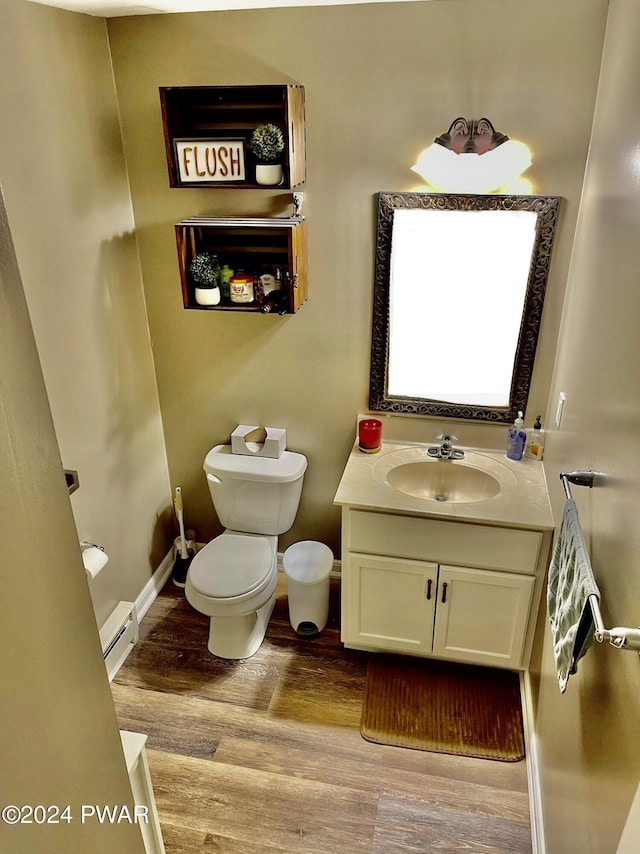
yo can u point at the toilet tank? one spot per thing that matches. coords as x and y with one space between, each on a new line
257 495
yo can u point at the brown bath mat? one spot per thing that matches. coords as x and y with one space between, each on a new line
443 707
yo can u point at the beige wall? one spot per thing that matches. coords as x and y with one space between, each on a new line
588 737
67 197
59 739
381 80
391 74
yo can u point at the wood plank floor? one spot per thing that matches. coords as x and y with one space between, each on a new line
264 756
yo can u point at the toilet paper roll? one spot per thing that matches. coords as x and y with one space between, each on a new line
94 559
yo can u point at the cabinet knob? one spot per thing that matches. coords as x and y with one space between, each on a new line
444 592
429 583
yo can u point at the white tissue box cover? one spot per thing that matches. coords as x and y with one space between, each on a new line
256 441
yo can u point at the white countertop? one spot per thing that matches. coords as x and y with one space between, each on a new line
523 500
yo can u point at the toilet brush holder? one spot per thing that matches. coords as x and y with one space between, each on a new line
190 541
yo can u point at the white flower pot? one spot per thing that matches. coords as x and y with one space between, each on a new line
269 174
208 296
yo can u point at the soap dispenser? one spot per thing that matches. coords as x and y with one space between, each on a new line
535 441
516 439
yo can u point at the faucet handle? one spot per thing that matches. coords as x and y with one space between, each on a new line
445 437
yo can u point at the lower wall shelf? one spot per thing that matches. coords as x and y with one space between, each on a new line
255 245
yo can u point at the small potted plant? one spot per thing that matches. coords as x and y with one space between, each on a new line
267 144
205 274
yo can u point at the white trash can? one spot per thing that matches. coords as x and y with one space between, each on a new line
307 565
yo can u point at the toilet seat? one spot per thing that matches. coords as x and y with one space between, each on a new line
233 567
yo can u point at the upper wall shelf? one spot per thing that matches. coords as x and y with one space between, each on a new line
219 114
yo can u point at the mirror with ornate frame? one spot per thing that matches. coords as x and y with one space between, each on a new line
458 295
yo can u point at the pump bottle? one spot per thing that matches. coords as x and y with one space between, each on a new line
535 441
516 438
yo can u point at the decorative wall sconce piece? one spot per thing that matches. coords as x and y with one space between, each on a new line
472 157
468 136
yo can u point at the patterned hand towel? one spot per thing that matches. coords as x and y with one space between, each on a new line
570 584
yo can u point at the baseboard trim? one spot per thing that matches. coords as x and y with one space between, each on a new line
538 845
154 585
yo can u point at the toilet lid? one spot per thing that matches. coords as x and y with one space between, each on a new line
231 566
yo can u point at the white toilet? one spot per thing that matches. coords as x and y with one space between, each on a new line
233 578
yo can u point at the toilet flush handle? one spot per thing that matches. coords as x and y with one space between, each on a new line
213 478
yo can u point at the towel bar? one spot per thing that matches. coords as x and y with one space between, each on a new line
620 637
578 478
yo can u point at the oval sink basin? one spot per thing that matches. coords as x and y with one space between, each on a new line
437 480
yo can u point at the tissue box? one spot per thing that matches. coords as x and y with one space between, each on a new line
259 441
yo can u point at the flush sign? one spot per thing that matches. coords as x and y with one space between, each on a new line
210 160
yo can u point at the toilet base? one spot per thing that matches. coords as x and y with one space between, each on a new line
242 636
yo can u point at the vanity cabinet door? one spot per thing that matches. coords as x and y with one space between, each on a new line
389 603
482 616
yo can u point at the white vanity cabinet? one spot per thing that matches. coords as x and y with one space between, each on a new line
452 590
482 616
388 603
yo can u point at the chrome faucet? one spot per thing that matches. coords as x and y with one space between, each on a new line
445 451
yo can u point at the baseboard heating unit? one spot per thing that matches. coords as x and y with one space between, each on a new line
118 636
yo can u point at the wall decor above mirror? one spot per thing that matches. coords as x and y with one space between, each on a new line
458 294
473 157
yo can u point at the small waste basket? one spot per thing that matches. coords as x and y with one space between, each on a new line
307 565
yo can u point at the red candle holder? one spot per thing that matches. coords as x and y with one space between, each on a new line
369 435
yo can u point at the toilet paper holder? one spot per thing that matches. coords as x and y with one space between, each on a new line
94 558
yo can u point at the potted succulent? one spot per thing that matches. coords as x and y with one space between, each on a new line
205 274
267 144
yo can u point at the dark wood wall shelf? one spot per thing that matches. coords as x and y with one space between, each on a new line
254 244
218 113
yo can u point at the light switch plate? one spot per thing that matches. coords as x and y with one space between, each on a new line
559 409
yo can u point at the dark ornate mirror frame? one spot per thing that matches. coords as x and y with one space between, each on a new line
546 208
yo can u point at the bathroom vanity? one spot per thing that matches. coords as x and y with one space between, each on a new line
443 558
